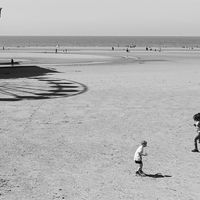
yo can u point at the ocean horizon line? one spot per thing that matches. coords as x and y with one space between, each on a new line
98 36
100 41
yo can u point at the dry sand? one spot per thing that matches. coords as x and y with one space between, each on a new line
70 124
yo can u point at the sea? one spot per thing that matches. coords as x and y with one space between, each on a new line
99 41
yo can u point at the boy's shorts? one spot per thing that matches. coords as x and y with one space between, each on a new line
138 162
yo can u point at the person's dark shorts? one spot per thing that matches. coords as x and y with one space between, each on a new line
138 162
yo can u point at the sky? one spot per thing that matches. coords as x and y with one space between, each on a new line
100 17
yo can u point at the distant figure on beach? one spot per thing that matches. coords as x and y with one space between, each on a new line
113 48
127 50
196 118
138 158
12 62
3 48
56 50
65 51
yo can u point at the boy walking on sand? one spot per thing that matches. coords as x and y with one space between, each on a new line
138 157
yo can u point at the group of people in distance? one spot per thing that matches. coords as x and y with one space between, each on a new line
140 150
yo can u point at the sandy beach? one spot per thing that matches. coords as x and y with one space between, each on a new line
71 122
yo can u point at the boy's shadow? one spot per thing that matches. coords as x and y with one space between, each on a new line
158 175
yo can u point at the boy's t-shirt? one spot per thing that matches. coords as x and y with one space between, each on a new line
198 126
139 151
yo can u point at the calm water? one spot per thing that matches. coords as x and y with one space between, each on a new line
99 41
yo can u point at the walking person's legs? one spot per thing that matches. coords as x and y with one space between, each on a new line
197 138
139 170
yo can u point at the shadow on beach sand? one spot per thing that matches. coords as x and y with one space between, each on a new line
23 71
29 83
158 175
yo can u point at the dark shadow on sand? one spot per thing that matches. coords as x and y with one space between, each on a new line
158 175
23 71
36 86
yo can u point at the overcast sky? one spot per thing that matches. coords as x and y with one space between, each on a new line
100 17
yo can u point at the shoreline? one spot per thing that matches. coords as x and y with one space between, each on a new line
91 48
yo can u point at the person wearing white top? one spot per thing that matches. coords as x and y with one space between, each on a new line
138 157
